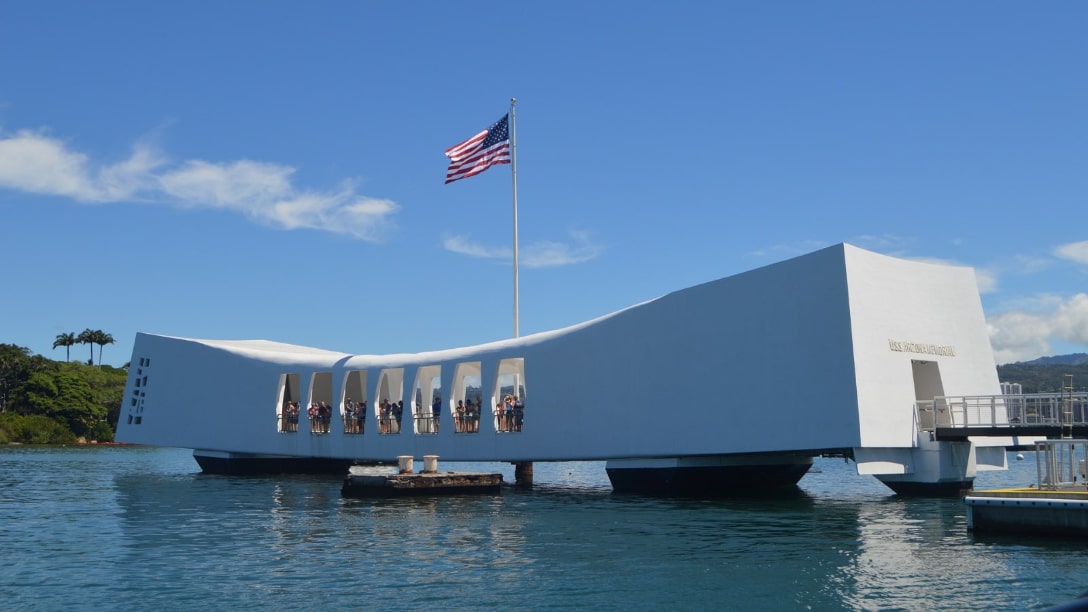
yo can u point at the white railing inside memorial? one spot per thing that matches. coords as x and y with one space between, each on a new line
1056 409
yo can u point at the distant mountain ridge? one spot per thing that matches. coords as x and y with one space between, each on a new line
1074 359
1047 374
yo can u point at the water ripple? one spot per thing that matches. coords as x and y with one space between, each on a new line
141 528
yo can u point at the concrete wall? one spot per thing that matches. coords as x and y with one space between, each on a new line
793 356
905 311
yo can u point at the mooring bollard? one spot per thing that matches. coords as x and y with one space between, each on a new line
405 463
430 464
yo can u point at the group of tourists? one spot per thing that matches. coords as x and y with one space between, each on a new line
354 417
510 413
466 417
320 414
509 416
389 416
289 417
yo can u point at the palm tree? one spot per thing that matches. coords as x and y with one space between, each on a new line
87 337
65 340
101 338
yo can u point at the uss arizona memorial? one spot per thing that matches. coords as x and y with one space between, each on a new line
736 382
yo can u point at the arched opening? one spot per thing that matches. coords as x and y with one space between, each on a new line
389 401
288 403
508 396
354 402
466 397
427 399
320 410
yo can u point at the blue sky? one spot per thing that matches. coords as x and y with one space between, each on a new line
275 170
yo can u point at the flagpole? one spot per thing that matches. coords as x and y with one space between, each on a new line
514 173
523 470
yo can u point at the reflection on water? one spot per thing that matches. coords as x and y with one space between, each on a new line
141 528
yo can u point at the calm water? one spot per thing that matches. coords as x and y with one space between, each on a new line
140 528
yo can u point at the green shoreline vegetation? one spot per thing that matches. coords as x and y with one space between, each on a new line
59 402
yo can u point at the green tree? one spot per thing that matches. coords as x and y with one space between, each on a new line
108 385
101 338
16 366
87 337
65 340
33 429
62 395
51 402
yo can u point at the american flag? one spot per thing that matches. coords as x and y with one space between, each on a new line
488 148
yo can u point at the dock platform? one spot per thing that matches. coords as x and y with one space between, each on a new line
367 482
1059 512
1057 506
396 485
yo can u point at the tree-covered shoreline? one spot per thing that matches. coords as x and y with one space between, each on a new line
43 401
1044 377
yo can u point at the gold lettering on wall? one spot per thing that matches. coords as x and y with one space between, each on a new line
918 347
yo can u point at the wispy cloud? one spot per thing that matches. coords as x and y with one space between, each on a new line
543 254
1030 264
33 162
36 164
229 185
1074 251
1028 333
464 246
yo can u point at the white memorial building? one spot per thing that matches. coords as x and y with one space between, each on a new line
734 383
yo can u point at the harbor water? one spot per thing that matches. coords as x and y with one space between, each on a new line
141 528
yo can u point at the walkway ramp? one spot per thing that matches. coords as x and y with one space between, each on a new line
1047 415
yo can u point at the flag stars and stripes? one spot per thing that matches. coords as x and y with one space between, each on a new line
490 147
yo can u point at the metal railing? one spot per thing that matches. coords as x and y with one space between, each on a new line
1057 409
319 424
509 420
426 424
388 424
468 422
354 424
288 423
1059 463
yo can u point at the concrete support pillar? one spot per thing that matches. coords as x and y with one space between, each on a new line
937 469
523 473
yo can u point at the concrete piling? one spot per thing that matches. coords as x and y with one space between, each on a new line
523 473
